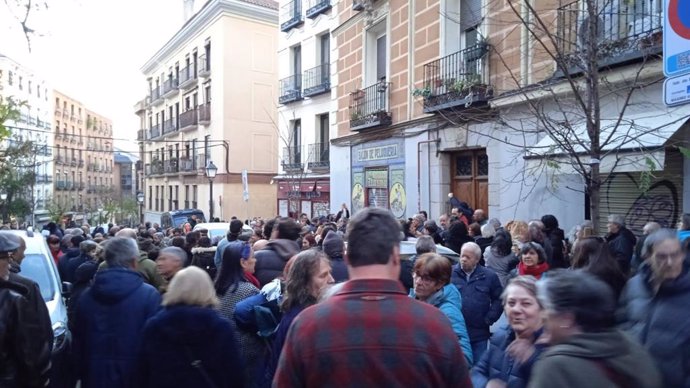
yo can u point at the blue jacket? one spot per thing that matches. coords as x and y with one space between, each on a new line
683 234
660 321
497 364
449 301
481 296
110 317
179 335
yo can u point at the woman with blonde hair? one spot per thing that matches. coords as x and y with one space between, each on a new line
188 344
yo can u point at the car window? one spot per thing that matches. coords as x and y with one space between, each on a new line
179 221
37 268
216 232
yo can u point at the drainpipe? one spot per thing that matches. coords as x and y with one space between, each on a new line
419 170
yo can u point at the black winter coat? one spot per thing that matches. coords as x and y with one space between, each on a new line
622 246
177 337
557 238
63 264
660 322
271 260
24 356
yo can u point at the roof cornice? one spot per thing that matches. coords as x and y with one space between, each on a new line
203 19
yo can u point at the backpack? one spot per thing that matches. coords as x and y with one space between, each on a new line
204 260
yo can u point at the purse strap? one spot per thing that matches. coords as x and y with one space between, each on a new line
198 365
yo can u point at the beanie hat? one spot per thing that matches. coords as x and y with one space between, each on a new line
333 245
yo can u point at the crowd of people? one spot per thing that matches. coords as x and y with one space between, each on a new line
331 301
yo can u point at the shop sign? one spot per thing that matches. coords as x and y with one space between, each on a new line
378 153
376 178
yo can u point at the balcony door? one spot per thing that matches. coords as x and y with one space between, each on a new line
296 141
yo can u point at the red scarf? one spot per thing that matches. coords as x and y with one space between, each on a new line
252 279
535 271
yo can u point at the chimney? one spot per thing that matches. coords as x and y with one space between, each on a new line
188 9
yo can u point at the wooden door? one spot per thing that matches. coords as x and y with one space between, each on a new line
470 178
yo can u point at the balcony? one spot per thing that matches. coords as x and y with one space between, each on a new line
317 7
73 162
204 66
189 120
201 164
60 185
58 136
44 178
369 107
627 31
292 158
319 156
205 113
156 98
154 132
170 166
291 15
317 80
90 167
81 162
290 89
456 81
169 126
170 88
140 134
81 186
187 166
188 77
91 189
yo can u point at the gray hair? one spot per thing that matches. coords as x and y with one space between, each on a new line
655 238
425 244
650 227
494 222
616 219
177 252
127 232
474 248
488 230
121 252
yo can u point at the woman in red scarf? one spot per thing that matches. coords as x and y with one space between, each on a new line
532 261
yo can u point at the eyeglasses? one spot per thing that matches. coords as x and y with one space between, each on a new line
422 278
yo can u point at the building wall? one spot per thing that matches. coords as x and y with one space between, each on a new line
240 132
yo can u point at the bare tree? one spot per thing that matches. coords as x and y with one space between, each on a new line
23 11
568 49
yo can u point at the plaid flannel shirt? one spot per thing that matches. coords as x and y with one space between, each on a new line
372 334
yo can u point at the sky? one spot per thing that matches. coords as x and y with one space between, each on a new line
92 50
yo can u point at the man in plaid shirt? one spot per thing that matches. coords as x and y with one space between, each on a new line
371 333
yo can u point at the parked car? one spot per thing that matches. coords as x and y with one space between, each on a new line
216 229
177 218
407 250
39 266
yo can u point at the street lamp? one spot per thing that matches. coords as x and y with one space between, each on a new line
140 199
211 171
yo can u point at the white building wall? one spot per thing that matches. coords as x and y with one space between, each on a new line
341 177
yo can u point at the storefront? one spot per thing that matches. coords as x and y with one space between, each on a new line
304 195
378 176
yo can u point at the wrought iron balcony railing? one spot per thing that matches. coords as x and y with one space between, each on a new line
204 66
170 166
290 89
140 134
189 120
170 87
188 76
369 107
291 15
319 155
292 158
456 80
317 80
625 31
317 7
155 131
156 96
169 126
205 113
187 166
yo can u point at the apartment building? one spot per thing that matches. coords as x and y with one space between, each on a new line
125 174
21 84
306 114
211 91
83 156
459 98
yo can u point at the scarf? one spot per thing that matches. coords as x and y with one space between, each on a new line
252 279
535 271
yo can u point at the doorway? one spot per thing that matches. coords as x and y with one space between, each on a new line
470 178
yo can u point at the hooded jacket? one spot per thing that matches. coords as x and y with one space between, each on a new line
449 301
606 359
271 260
660 321
179 335
109 318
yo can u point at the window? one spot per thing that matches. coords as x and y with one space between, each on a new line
323 136
195 194
296 142
297 60
207 149
30 87
325 47
150 196
21 83
376 54
10 78
186 196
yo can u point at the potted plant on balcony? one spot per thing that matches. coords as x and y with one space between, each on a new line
424 92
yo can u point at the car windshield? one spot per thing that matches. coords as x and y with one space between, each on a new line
37 268
217 232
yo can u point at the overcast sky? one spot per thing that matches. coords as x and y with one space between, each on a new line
92 50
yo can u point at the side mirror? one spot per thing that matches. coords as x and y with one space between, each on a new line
66 289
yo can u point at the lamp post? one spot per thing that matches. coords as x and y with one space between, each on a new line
140 199
211 171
